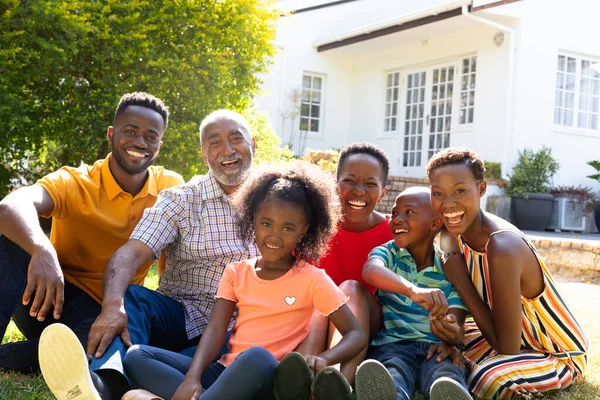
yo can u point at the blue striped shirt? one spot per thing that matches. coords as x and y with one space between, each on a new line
403 319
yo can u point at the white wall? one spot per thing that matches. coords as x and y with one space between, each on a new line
550 27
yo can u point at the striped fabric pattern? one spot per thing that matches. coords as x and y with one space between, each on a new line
403 319
553 354
195 224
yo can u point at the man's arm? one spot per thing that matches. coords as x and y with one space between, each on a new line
119 272
19 223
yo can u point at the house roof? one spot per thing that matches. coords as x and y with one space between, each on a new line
407 15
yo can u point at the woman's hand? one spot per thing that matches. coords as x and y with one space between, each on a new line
445 328
190 389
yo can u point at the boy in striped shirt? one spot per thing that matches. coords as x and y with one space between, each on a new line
423 315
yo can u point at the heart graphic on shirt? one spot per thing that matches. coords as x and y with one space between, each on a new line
290 300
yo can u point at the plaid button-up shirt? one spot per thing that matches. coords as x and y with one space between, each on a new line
195 222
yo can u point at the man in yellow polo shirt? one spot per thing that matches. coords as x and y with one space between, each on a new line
94 210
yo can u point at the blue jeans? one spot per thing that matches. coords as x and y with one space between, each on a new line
407 363
250 376
79 311
153 319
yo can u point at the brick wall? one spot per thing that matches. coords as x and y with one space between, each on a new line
397 184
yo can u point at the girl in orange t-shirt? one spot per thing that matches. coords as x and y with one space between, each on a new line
290 213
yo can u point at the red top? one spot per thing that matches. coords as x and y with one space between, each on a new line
349 252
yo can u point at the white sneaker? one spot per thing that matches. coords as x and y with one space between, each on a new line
448 389
374 382
64 364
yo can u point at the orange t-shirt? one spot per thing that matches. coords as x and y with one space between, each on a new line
93 217
275 314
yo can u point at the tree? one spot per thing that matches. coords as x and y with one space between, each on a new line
66 63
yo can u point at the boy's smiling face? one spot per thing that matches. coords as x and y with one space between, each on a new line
413 219
455 196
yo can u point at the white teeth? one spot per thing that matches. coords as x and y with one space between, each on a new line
357 204
135 154
229 162
454 214
271 247
400 230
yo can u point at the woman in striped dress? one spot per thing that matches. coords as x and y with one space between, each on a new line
522 340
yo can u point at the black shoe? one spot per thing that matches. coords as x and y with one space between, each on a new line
374 382
292 378
330 384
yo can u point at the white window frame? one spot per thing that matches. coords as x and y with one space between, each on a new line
320 119
468 91
389 102
561 92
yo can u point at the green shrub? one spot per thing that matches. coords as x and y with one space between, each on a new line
492 170
326 159
533 172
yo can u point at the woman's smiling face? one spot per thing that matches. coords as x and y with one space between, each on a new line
455 196
360 185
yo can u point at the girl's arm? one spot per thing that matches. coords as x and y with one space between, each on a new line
208 349
506 257
376 274
353 339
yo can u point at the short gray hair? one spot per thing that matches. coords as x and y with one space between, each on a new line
226 114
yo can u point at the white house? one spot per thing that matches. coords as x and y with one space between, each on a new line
415 76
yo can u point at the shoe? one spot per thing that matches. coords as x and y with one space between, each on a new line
374 382
330 384
293 378
140 394
448 389
64 364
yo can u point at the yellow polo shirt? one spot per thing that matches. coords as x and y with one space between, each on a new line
93 217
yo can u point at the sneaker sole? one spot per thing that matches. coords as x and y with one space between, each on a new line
448 389
293 378
374 382
330 384
64 364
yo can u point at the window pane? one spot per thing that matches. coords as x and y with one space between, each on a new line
395 109
316 84
416 80
585 68
450 87
472 85
442 92
304 110
393 124
596 87
421 109
316 97
303 124
465 82
472 98
433 110
420 130
570 82
314 125
388 95
422 78
594 121
306 95
582 121
471 112
434 93
306 82
422 94
386 125
389 80
396 78
557 114
569 99
443 75
315 111
396 94
560 81
387 110
571 64
584 85
465 67
596 70
410 77
406 126
558 101
561 63
594 107
568 118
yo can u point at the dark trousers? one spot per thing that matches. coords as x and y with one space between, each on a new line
250 376
79 311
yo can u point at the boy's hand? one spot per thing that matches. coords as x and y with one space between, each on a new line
444 350
445 328
316 363
433 300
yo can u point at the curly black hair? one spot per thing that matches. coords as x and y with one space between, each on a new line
458 156
300 183
143 99
365 148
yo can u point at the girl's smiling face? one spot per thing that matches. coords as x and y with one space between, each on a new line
455 196
279 227
361 186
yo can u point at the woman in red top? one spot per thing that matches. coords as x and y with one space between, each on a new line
361 175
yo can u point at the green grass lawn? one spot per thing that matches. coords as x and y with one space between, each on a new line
582 295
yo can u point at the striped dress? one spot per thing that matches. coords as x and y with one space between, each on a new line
553 346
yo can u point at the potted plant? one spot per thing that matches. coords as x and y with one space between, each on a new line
596 164
571 204
531 202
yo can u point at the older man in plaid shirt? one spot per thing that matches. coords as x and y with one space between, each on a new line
195 225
